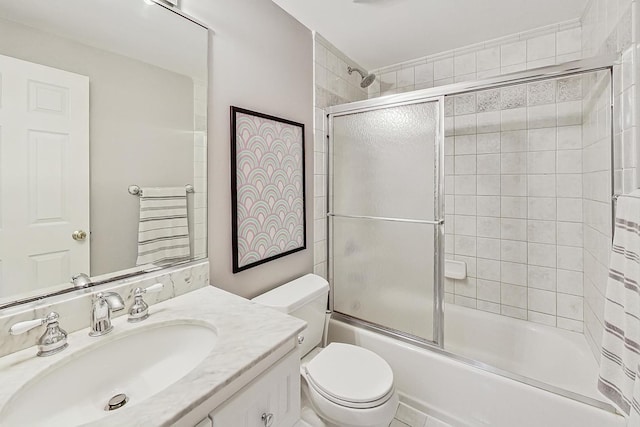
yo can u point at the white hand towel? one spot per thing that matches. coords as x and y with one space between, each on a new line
619 378
163 231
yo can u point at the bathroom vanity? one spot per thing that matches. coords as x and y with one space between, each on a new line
204 358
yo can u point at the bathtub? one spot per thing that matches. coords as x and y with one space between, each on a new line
551 355
467 396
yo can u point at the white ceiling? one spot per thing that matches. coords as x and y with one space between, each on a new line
376 33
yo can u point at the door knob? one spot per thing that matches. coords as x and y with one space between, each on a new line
79 235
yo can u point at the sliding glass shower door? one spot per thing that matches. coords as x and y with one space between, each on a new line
385 216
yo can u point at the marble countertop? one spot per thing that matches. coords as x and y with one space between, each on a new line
247 334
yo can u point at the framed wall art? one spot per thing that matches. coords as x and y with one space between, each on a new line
267 188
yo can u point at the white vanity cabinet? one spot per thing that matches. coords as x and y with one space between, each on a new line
272 399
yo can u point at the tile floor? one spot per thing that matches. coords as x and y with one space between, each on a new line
406 416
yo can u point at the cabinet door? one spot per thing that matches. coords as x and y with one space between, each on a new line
275 392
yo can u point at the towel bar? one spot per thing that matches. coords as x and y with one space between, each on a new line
135 190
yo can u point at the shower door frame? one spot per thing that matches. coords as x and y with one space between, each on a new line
437 222
572 68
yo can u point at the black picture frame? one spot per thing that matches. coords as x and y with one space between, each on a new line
234 189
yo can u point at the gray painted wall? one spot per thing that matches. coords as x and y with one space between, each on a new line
136 135
260 59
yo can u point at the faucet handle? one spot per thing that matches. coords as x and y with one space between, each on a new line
27 325
139 310
149 289
54 338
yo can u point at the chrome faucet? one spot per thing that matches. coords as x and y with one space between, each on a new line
103 305
81 280
54 339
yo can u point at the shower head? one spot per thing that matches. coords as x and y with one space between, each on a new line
367 79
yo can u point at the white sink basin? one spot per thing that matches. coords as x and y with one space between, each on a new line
77 389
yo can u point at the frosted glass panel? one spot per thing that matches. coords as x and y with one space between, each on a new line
383 273
383 162
384 165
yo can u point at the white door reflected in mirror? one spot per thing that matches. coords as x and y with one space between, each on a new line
44 175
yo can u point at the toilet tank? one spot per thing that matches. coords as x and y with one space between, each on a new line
304 298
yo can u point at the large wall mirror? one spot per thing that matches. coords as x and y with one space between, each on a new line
102 123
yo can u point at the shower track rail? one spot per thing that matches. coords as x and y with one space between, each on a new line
572 68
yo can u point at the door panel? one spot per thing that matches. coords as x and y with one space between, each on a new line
44 171
384 210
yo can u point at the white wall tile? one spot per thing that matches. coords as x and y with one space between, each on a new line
542 208
488 59
488 227
570 306
488 143
443 69
488 164
465 125
542 139
544 319
542 255
569 185
541 278
542 185
513 163
465 164
542 301
488 185
570 282
514 53
513 229
541 231
489 290
513 141
570 258
569 161
423 73
465 144
542 116
569 113
488 269
569 41
513 295
541 162
570 234
541 47
464 64
405 77
569 210
488 206
513 251
465 184
513 185
465 245
488 122
513 207
514 119
570 137
388 81
488 248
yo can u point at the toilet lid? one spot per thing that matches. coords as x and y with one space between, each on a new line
351 373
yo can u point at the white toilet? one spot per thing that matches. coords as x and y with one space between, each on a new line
347 385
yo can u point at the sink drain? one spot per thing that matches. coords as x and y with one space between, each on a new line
117 401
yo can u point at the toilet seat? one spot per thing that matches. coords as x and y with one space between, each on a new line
350 376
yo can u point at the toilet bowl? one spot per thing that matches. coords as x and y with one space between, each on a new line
347 385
